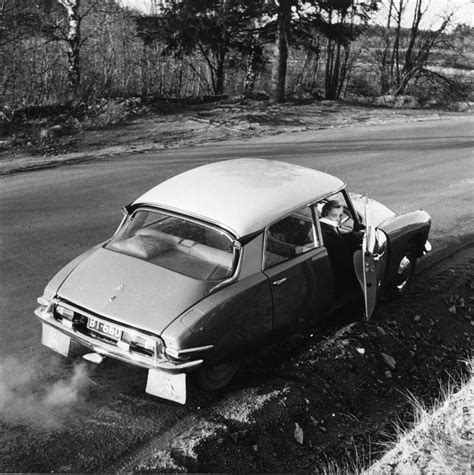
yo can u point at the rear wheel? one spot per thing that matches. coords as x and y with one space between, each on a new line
405 271
212 377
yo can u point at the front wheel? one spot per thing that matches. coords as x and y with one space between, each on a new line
212 377
405 272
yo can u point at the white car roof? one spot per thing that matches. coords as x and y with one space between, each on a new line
241 195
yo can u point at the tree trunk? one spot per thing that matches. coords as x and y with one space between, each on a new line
144 71
281 51
220 73
384 74
74 44
395 58
328 78
250 72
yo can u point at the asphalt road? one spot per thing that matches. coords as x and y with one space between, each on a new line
49 216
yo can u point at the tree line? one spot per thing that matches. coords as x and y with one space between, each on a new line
78 50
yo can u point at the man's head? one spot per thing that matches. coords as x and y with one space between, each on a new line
332 210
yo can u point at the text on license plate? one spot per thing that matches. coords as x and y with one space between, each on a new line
104 328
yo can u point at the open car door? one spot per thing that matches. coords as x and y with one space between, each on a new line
364 267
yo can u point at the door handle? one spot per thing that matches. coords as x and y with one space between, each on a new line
279 282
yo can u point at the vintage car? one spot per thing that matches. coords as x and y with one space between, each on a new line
219 260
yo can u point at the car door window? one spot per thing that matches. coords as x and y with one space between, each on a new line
290 237
347 220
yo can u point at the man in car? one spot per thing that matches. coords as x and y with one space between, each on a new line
340 246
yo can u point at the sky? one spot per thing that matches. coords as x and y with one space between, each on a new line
464 9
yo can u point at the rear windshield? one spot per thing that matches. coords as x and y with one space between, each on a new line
184 246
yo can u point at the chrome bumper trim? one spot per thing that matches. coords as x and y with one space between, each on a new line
105 349
183 353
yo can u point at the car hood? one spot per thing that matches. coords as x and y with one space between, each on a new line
131 291
377 213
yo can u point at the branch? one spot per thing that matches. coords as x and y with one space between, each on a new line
209 63
198 73
93 5
86 37
456 90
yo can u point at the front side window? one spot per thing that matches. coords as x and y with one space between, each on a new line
291 236
188 247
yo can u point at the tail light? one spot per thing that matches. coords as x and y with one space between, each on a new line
64 315
147 345
65 312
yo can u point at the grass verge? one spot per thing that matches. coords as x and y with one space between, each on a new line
442 439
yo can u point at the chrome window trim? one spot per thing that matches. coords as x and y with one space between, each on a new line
316 242
355 215
318 232
237 255
318 225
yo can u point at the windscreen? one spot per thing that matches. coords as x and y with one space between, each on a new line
181 245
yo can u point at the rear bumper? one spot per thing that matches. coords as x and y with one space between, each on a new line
112 351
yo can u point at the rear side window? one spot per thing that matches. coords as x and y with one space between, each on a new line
290 237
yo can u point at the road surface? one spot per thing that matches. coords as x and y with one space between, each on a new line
52 417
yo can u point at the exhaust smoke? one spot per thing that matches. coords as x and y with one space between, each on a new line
25 399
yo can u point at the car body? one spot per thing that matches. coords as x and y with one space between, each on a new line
218 260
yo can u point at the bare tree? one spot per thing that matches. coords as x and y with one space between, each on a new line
406 51
70 31
74 42
280 48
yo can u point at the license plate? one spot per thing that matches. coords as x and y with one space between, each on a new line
104 328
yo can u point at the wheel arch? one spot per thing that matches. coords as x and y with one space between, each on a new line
417 243
408 230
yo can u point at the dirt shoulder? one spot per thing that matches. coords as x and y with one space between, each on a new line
194 125
332 397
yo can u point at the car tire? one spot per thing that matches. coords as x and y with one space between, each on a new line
212 377
405 271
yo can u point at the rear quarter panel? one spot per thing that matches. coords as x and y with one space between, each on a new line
232 318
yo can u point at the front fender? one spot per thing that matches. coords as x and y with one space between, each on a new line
404 230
